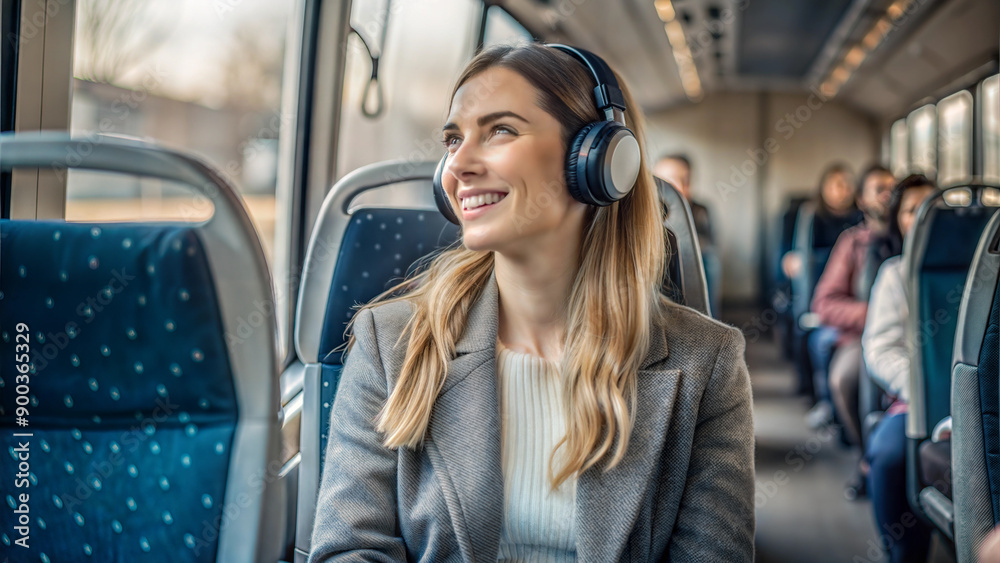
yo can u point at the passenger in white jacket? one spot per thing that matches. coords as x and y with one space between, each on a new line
887 358
884 340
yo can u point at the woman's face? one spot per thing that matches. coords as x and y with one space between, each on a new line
908 205
504 173
838 193
875 194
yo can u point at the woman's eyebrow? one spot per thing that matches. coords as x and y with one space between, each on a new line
483 120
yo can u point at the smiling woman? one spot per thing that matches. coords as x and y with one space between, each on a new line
521 385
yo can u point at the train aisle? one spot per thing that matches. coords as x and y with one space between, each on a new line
802 514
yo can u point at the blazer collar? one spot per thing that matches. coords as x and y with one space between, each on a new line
467 457
482 325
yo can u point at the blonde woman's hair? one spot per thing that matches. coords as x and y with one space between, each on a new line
613 301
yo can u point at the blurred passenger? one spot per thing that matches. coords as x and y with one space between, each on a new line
841 303
676 169
836 211
888 360
781 297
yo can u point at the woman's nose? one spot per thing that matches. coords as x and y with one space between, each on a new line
466 162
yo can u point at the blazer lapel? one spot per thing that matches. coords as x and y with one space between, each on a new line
463 437
608 503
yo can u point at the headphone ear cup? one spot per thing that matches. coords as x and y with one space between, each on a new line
440 196
576 168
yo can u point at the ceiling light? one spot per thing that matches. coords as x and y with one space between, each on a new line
686 67
675 33
877 33
840 74
665 10
854 57
897 9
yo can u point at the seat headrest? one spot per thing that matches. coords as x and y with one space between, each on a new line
123 316
380 246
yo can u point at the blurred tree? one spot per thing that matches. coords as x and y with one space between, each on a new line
252 68
114 36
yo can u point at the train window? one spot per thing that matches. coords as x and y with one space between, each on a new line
501 27
955 138
991 128
899 144
204 77
921 124
413 83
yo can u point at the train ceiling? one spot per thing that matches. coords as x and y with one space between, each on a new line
881 56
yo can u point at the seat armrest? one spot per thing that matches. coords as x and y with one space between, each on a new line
939 509
942 430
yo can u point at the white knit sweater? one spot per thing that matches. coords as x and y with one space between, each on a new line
884 340
538 523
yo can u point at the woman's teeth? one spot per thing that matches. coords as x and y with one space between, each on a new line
481 200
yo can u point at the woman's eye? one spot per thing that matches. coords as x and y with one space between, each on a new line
503 129
450 142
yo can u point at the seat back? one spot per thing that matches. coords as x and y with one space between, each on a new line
360 246
146 420
684 275
812 265
975 400
814 252
937 253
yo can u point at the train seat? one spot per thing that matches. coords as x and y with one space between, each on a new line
360 244
974 400
939 252
810 245
684 276
147 425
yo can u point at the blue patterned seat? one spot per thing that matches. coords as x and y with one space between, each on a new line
361 244
132 407
152 419
975 400
938 254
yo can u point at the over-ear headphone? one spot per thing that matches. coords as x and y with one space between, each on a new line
603 159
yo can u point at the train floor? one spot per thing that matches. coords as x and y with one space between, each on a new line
802 513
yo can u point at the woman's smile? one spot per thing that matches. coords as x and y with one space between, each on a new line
476 204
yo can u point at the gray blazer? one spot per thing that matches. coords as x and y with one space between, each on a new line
683 492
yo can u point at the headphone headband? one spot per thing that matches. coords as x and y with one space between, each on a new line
607 95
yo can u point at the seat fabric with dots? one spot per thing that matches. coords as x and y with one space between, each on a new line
131 404
379 248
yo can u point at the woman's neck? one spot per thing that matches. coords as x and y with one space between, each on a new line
534 295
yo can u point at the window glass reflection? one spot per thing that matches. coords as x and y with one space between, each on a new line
955 138
922 127
899 159
991 129
203 77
